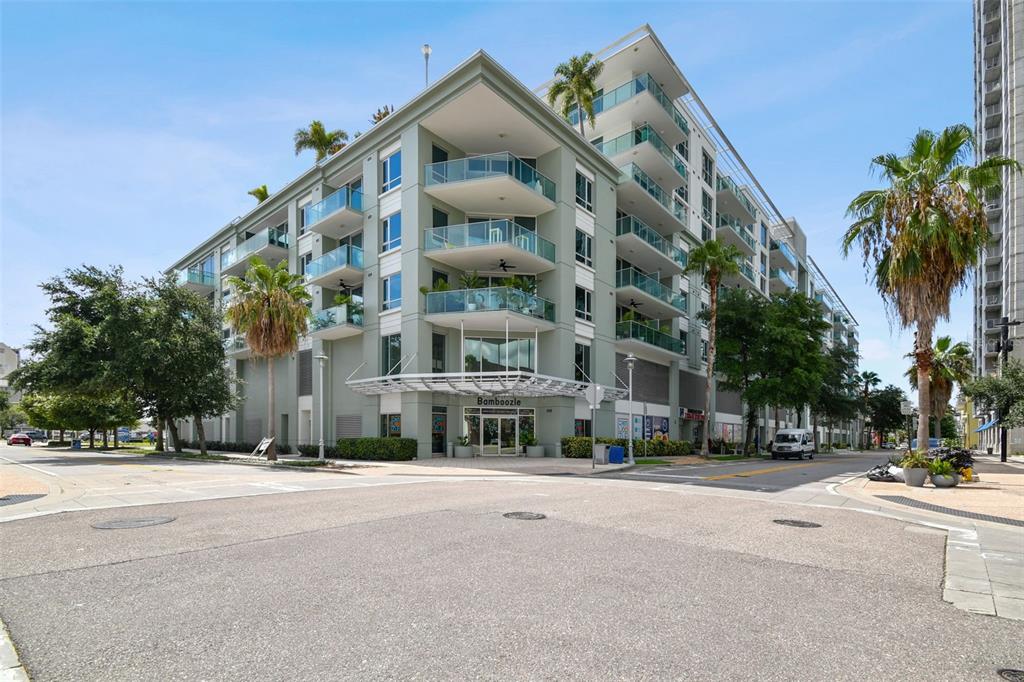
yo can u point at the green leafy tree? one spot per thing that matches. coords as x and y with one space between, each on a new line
920 236
322 141
381 114
836 398
260 193
1003 393
269 309
11 417
576 86
713 260
952 363
741 352
884 409
62 411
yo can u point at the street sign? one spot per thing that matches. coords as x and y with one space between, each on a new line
906 407
595 394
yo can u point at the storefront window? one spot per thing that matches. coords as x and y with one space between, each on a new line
391 425
583 428
495 355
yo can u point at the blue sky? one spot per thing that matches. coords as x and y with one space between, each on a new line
130 132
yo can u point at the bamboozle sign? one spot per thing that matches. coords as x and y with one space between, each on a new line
498 402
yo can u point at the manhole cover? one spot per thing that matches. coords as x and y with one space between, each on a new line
140 522
796 523
524 516
1011 674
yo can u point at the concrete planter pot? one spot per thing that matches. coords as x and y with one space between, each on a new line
534 450
915 478
463 451
943 481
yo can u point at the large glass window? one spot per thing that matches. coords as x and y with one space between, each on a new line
685 338
707 168
391 426
583 428
584 248
304 260
706 207
764 235
583 304
391 172
703 350
495 355
683 149
437 344
391 232
582 367
391 292
584 191
391 354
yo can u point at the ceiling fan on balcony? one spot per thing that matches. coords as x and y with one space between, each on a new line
634 304
504 266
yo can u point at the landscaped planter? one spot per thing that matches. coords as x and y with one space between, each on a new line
943 481
463 451
534 450
915 478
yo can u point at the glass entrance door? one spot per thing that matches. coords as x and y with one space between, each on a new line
507 436
498 436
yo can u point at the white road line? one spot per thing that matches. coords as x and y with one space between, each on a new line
29 466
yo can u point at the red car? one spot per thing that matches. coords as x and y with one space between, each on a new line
19 439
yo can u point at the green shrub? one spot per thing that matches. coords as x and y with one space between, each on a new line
230 446
580 447
330 452
302 463
381 449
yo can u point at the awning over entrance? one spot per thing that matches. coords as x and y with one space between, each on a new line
986 426
516 383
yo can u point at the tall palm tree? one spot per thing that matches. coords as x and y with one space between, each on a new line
713 260
921 235
576 84
260 193
324 142
951 363
867 381
269 308
381 114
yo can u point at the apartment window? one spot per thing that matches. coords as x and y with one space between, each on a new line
707 207
583 428
685 296
704 307
764 235
583 304
391 426
704 350
705 232
304 261
584 246
683 192
391 354
684 337
497 355
764 265
440 218
437 347
582 362
302 219
391 172
584 192
438 276
438 155
391 232
683 149
707 168
391 294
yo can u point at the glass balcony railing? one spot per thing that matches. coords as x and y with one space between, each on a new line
235 344
195 276
631 329
345 197
727 221
335 316
489 166
787 253
727 184
630 225
489 232
823 299
633 172
645 133
627 91
631 277
747 270
269 237
784 277
346 255
490 299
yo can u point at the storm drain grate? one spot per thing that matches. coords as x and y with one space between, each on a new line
1011 674
18 499
524 516
796 523
910 502
139 522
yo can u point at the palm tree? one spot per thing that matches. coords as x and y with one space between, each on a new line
951 363
381 114
269 308
576 83
712 260
867 381
261 193
320 140
920 236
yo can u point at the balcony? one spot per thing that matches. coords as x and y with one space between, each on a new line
993 255
732 232
646 342
647 295
991 348
993 139
780 281
993 69
644 147
338 322
271 245
993 115
825 300
337 215
993 92
336 269
639 244
991 22
993 277
733 201
782 256
993 301
993 45
745 277
236 348
640 99
200 281
491 183
993 209
992 326
490 309
487 245
640 195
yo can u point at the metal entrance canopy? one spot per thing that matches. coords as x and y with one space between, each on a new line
517 383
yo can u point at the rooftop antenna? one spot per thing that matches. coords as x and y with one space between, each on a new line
426 63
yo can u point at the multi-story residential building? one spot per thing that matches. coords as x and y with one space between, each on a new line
476 264
10 360
999 129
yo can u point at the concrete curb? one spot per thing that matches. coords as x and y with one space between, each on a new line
11 669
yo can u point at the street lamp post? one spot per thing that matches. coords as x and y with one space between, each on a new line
426 50
630 361
322 359
1004 347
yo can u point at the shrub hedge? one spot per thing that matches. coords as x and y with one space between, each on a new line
381 449
229 446
579 447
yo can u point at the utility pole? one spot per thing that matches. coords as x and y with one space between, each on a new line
1004 347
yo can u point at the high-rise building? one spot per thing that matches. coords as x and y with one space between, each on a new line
476 263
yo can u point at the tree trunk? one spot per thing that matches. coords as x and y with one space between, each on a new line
172 429
271 430
201 433
829 437
92 438
114 433
106 443
776 429
160 434
748 438
923 356
938 427
814 417
62 435
712 327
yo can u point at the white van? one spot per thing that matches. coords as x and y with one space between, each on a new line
793 443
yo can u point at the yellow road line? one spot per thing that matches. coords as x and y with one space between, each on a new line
756 472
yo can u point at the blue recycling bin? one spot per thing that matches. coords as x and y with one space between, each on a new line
616 454
76 444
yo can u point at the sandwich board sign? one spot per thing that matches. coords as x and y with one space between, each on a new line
261 449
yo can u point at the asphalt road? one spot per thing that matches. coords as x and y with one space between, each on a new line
621 580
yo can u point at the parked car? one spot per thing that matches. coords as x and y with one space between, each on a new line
793 443
888 445
36 435
932 443
19 439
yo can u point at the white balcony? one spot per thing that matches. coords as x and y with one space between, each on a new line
642 246
490 246
337 215
651 298
200 281
640 195
338 322
731 231
491 184
492 309
337 269
732 199
271 245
